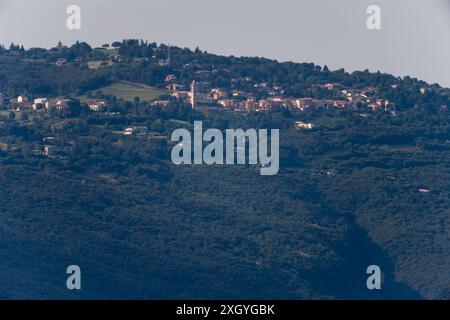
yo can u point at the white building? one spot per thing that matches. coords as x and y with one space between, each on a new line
303 125
21 99
136 130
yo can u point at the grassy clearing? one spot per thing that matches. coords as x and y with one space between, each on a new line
129 90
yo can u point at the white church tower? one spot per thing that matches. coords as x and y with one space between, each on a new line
193 93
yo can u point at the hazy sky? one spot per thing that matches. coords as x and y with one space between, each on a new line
414 40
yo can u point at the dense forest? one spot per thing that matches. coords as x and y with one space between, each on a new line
357 189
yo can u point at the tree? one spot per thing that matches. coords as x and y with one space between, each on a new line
24 116
116 44
75 108
70 56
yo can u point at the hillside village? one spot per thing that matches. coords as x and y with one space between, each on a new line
200 93
179 76
200 96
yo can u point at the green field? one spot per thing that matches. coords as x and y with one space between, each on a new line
129 90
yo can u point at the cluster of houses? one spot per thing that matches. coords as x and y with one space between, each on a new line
22 103
200 95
